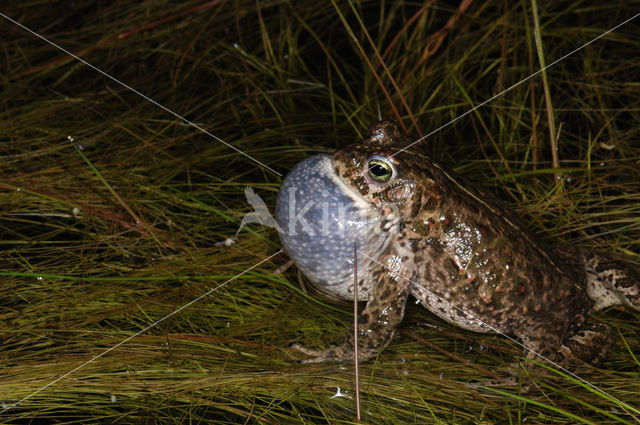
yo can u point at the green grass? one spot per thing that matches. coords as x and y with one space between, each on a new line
103 236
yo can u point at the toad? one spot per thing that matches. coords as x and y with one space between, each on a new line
423 231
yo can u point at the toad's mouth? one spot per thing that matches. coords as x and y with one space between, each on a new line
319 219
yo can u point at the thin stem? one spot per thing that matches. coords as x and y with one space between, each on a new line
545 84
355 329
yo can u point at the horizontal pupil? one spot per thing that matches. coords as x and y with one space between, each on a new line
379 170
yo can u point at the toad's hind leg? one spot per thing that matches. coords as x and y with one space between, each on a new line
612 281
540 349
589 345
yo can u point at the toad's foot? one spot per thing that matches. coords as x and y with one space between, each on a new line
511 381
335 353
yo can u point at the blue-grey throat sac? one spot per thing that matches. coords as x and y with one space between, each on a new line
319 219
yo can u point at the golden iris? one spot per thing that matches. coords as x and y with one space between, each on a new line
380 169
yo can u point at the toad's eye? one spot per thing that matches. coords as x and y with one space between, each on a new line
380 168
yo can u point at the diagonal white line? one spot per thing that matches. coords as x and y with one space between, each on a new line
138 93
494 329
183 306
137 333
516 84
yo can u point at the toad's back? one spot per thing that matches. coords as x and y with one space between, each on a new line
477 266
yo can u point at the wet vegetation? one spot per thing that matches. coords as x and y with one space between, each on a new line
121 303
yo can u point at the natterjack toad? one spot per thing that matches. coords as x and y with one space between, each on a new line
426 232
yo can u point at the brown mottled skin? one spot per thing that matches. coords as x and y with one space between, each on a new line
465 257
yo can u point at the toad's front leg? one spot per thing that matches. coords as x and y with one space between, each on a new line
376 323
